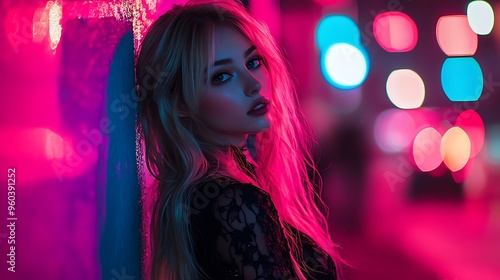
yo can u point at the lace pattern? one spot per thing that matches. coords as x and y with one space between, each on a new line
238 235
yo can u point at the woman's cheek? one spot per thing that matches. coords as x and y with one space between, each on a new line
221 103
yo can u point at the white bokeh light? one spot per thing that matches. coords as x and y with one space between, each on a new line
481 17
346 65
405 89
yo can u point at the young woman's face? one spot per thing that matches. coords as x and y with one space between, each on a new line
236 101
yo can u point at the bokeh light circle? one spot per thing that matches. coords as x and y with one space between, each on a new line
455 148
405 89
394 130
481 17
455 36
337 29
426 149
345 66
461 175
395 31
472 123
462 79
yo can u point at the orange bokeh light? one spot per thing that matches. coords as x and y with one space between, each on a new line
455 148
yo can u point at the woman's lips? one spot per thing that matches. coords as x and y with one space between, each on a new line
262 109
259 106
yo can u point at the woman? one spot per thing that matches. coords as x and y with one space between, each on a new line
230 151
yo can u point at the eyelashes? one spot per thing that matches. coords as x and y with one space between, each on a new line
256 59
222 77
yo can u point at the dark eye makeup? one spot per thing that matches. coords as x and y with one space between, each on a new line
219 78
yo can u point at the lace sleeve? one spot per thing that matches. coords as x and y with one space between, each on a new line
240 236
320 264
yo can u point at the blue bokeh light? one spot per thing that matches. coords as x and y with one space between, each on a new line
344 61
462 79
337 29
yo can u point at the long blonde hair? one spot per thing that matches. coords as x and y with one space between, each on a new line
170 72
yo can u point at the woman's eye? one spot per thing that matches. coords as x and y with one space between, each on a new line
220 78
254 63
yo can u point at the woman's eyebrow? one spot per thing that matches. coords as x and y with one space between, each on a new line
223 61
228 60
249 51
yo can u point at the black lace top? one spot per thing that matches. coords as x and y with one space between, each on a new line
238 235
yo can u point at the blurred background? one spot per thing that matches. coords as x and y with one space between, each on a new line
403 95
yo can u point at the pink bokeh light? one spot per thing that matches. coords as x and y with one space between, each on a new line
455 36
472 123
333 3
395 31
426 149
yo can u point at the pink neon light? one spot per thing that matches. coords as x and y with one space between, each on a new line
459 176
54 145
395 31
333 3
472 123
427 149
394 130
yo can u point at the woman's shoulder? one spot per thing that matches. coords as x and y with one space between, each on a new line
226 192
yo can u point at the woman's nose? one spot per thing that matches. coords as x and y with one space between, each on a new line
252 85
